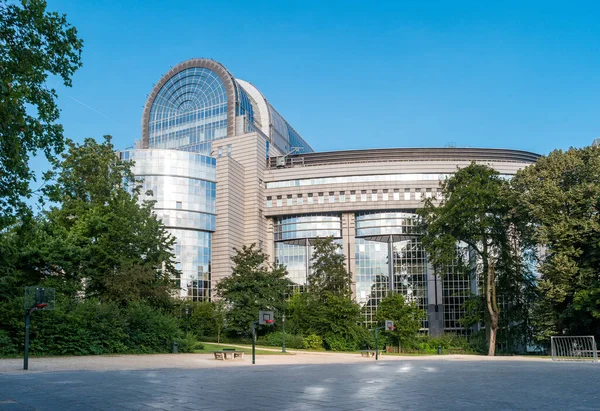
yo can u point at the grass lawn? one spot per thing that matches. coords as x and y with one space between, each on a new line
210 347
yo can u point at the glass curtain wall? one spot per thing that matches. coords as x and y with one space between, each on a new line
389 256
457 288
183 186
293 242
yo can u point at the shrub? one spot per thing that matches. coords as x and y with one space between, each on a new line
275 339
6 345
189 343
336 342
313 342
150 330
227 340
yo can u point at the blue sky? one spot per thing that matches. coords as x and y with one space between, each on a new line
521 75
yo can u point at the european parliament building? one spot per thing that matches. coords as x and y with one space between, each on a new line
226 170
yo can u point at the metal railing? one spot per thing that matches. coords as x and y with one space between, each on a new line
574 348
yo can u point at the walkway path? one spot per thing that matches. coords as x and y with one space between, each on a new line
298 382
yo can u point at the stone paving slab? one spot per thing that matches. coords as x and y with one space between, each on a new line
301 382
192 361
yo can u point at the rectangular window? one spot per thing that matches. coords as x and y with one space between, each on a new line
321 198
385 195
299 199
396 194
374 195
342 196
269 202
310 199
289 200
178 205
279 201
352 196
331 197
228 150
428 193
407 193
220 152
363 195
418 194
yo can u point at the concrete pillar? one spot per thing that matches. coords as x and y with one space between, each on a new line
435 309
349 246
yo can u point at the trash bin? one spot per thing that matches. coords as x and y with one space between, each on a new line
439 350
175 347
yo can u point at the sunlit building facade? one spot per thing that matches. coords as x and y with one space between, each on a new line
227 170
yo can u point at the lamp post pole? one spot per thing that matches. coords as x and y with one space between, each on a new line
377 342
283 330
254 324
187 317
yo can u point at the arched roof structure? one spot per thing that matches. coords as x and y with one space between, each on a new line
188 86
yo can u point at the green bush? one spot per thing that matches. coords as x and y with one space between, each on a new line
275 339
336 342
78 328
6 344
227 340
88 327
450 343
150 330
313 342
189 343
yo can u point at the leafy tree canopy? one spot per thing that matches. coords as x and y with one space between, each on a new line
476 210
407 317
560 196
328 270
97 237
254 285
327 309
34 44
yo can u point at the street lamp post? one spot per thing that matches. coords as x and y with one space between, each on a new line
283 330
377 341
187 317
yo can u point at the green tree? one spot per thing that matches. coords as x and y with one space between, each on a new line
220 318
207 318
407 317
560 196
476 210
254 285
97 238
328 270
34 44
334 318
327 309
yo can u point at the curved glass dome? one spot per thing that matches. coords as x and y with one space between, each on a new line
189 111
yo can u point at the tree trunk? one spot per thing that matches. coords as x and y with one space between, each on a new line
492 306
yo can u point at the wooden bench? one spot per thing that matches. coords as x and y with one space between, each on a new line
367 353
228 355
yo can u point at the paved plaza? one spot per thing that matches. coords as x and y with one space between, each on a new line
298 382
